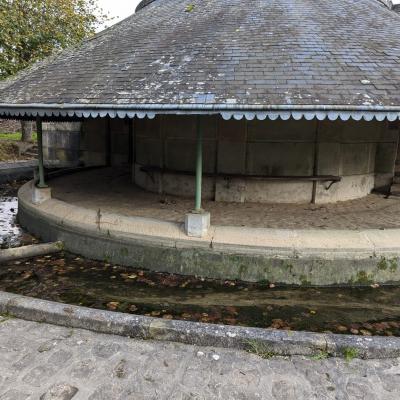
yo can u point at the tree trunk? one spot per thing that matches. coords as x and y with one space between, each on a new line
26 129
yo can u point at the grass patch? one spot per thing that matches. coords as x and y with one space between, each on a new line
15 136
5 317
322 355
259 349
349 353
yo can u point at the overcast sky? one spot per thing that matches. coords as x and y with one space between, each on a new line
119 9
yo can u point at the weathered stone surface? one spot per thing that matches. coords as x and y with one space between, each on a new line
164 371
279 342
61 391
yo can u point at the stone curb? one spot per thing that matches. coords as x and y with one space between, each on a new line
271 341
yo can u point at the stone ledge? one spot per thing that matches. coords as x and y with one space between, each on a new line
195 333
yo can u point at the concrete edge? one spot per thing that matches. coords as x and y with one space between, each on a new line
273 342
320 244
10 171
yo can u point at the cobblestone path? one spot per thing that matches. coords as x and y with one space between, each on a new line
40 361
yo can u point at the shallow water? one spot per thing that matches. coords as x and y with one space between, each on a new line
74 280
11 235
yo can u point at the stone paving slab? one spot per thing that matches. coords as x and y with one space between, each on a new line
40 361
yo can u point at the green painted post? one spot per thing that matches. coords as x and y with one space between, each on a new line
42 183
199 164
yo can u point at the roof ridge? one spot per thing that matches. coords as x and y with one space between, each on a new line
143 4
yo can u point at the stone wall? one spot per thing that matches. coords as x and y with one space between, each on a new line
9 126
237 154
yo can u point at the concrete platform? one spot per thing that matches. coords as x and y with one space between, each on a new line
88 226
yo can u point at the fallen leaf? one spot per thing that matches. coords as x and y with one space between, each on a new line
112 305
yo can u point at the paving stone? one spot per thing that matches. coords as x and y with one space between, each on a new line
119 368
38 375
83 369
59 358
61 391
106 350
14 395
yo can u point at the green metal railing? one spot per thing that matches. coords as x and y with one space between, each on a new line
39 128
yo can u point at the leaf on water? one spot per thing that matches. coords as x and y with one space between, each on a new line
26 275
375 285
128 276
155 313
112 305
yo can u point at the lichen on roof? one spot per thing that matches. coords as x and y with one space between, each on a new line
228 52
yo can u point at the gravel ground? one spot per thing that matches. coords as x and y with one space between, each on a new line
111 190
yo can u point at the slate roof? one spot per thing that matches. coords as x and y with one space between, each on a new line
225 55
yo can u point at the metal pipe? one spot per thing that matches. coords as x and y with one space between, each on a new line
199 164
39 130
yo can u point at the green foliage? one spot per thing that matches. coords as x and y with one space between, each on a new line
190 8
259 349
34 29
349 353
16 136
322 355
5 317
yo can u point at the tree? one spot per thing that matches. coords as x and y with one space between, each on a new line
26 131
33 29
